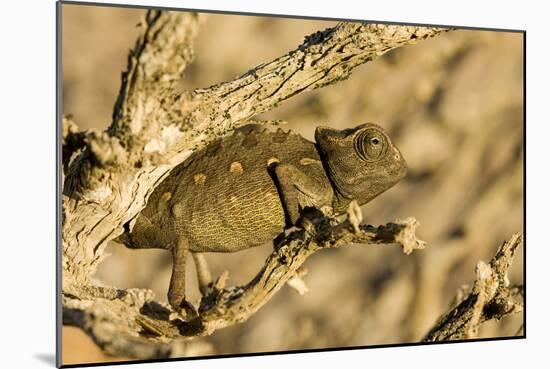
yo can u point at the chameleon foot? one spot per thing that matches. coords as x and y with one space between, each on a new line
187 310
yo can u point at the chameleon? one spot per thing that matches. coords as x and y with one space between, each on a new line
245 189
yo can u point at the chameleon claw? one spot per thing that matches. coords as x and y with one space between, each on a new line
355 217
188 310
222 280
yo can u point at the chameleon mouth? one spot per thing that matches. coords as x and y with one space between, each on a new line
401 171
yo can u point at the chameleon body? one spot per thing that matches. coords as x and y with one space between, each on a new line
243 190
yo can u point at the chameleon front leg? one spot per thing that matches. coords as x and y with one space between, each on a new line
299 190
203 273
176 290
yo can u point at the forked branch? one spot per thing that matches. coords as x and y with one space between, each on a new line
157 125
491 297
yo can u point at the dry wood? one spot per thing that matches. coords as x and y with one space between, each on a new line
156 125
132 323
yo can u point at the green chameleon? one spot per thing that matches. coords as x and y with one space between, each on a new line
244 190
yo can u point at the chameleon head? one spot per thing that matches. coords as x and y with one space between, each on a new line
361 162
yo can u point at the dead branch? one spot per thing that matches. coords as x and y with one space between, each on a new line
109 181
491 297
156 125
132 323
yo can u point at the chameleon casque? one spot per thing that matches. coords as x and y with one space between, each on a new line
245 189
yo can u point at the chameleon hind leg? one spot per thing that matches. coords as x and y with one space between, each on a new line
176 290
203 273
145 235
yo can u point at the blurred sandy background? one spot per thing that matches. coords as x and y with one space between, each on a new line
453 105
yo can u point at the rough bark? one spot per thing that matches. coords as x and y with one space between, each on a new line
156 125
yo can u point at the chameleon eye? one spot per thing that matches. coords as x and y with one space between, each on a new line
370 145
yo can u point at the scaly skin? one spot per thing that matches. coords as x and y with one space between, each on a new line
242 190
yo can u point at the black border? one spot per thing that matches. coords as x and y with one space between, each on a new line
58 183
59 110
524 185
304 351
